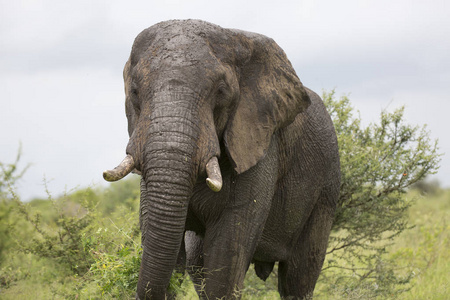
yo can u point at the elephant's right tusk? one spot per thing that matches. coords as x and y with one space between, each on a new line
214 180
122 170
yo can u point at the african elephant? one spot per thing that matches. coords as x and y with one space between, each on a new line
225 107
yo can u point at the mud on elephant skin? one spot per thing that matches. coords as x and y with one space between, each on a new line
239 161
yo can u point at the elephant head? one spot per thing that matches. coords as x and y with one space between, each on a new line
192 90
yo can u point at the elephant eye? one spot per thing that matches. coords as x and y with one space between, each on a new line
223 94
221 88
222 91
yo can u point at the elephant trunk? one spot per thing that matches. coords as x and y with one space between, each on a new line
164 147
170 164
163 210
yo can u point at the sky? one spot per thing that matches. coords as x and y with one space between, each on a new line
61 62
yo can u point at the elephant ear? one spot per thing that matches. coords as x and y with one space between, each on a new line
271 96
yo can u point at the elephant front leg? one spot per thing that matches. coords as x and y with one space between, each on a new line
232 235
227 255
229 246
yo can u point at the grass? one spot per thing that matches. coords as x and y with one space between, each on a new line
422 251
426 247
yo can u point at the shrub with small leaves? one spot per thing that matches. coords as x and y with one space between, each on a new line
378 164
117 273
10 173
62 241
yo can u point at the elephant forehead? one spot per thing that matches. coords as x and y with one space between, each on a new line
174 37
180 52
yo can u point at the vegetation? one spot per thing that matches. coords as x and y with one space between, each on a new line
378 164
389 240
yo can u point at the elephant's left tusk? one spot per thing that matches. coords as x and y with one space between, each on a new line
214 180
122 170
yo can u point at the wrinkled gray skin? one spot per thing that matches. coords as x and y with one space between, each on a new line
194 91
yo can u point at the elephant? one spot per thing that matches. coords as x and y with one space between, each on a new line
239 161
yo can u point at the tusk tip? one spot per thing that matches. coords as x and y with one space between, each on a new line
214 185
108 176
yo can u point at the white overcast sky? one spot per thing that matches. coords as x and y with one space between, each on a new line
61 70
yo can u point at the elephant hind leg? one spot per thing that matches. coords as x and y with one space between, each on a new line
292 284
297 276
263 269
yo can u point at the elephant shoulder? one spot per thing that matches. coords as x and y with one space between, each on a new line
317 116
312 130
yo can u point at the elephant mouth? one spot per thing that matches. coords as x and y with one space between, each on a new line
214 179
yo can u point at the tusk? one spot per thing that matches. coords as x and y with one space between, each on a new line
122 170
214 180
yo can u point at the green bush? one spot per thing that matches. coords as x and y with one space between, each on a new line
6 224
9 175
115 268
62 242
378 164
91 233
